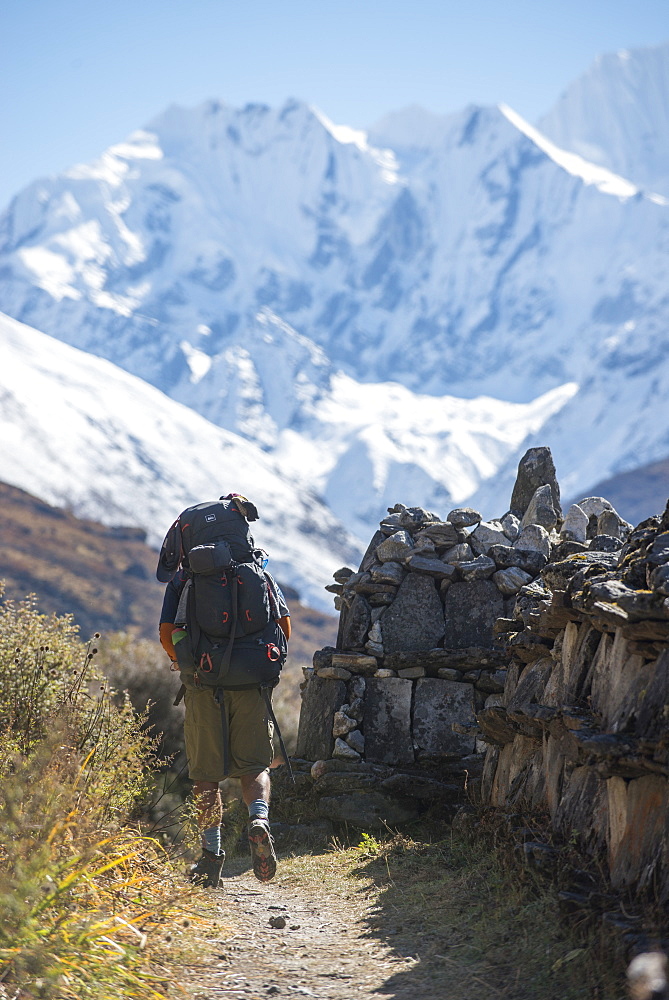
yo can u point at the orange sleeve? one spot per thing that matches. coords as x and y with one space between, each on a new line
166 639
285 626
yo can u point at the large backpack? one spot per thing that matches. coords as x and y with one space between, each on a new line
226 635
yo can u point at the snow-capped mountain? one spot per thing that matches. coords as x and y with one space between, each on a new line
389 316
82 434
617 115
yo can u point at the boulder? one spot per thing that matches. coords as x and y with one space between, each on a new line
575 525
511 526
464 517
470 610
440 533
387 721
535 539
594 506
342 751
477 569
367 810
510 580
353 633
487 533
528 560
321 698
535 469
388 572
437 705
396 548
415 618
436 568
541 509
462 552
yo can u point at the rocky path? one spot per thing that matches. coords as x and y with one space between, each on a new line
309 933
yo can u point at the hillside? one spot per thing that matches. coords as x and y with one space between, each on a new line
104 576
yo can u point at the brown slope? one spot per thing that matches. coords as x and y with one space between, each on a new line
104 577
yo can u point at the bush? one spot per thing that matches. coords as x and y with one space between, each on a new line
78 885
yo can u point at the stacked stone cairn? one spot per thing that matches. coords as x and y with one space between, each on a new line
388 720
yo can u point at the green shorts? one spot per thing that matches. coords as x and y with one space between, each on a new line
250 729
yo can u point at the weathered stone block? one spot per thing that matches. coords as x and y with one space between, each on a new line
415 619
320 700
470 610
367 810
356 625
396 547
387 721
437 705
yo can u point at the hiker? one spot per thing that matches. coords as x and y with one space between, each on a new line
227 670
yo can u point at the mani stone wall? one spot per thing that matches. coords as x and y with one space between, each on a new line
388 719
581 731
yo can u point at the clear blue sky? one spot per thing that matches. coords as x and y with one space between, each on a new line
78 75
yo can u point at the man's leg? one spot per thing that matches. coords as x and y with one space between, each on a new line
256 793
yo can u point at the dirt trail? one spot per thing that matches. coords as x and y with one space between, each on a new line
327 949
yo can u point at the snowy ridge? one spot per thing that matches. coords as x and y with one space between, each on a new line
82 434
390 316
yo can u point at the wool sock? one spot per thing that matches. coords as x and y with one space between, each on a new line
259 809
211 839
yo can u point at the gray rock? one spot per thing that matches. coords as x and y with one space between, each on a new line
441 533
387 721
610 522
336 782
369 557
356 625
357 706
436 568
333 673
388 572
385 672
594 506
390 524
606 543
342 751
486 534
366 810
374 648
411 673
416 786
414 620
535 538
492 681
535 469
437 705
541 509
470 610
396 548
575 525
343 574
462 552
342 723
320 700
511 526
556 575
356 690
356 740
355 663
528 560
464 517
449 674
375 634
659 580
494 700
510 580
480 568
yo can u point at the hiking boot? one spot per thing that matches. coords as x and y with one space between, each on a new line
207 871
262 849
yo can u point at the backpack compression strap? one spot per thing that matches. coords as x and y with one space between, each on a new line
265 690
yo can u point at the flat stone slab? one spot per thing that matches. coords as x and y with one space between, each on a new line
437 705
415 618
470 610
321 698
366 809
387 720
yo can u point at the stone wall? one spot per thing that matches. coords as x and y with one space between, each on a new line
582 729
416 654
523 662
